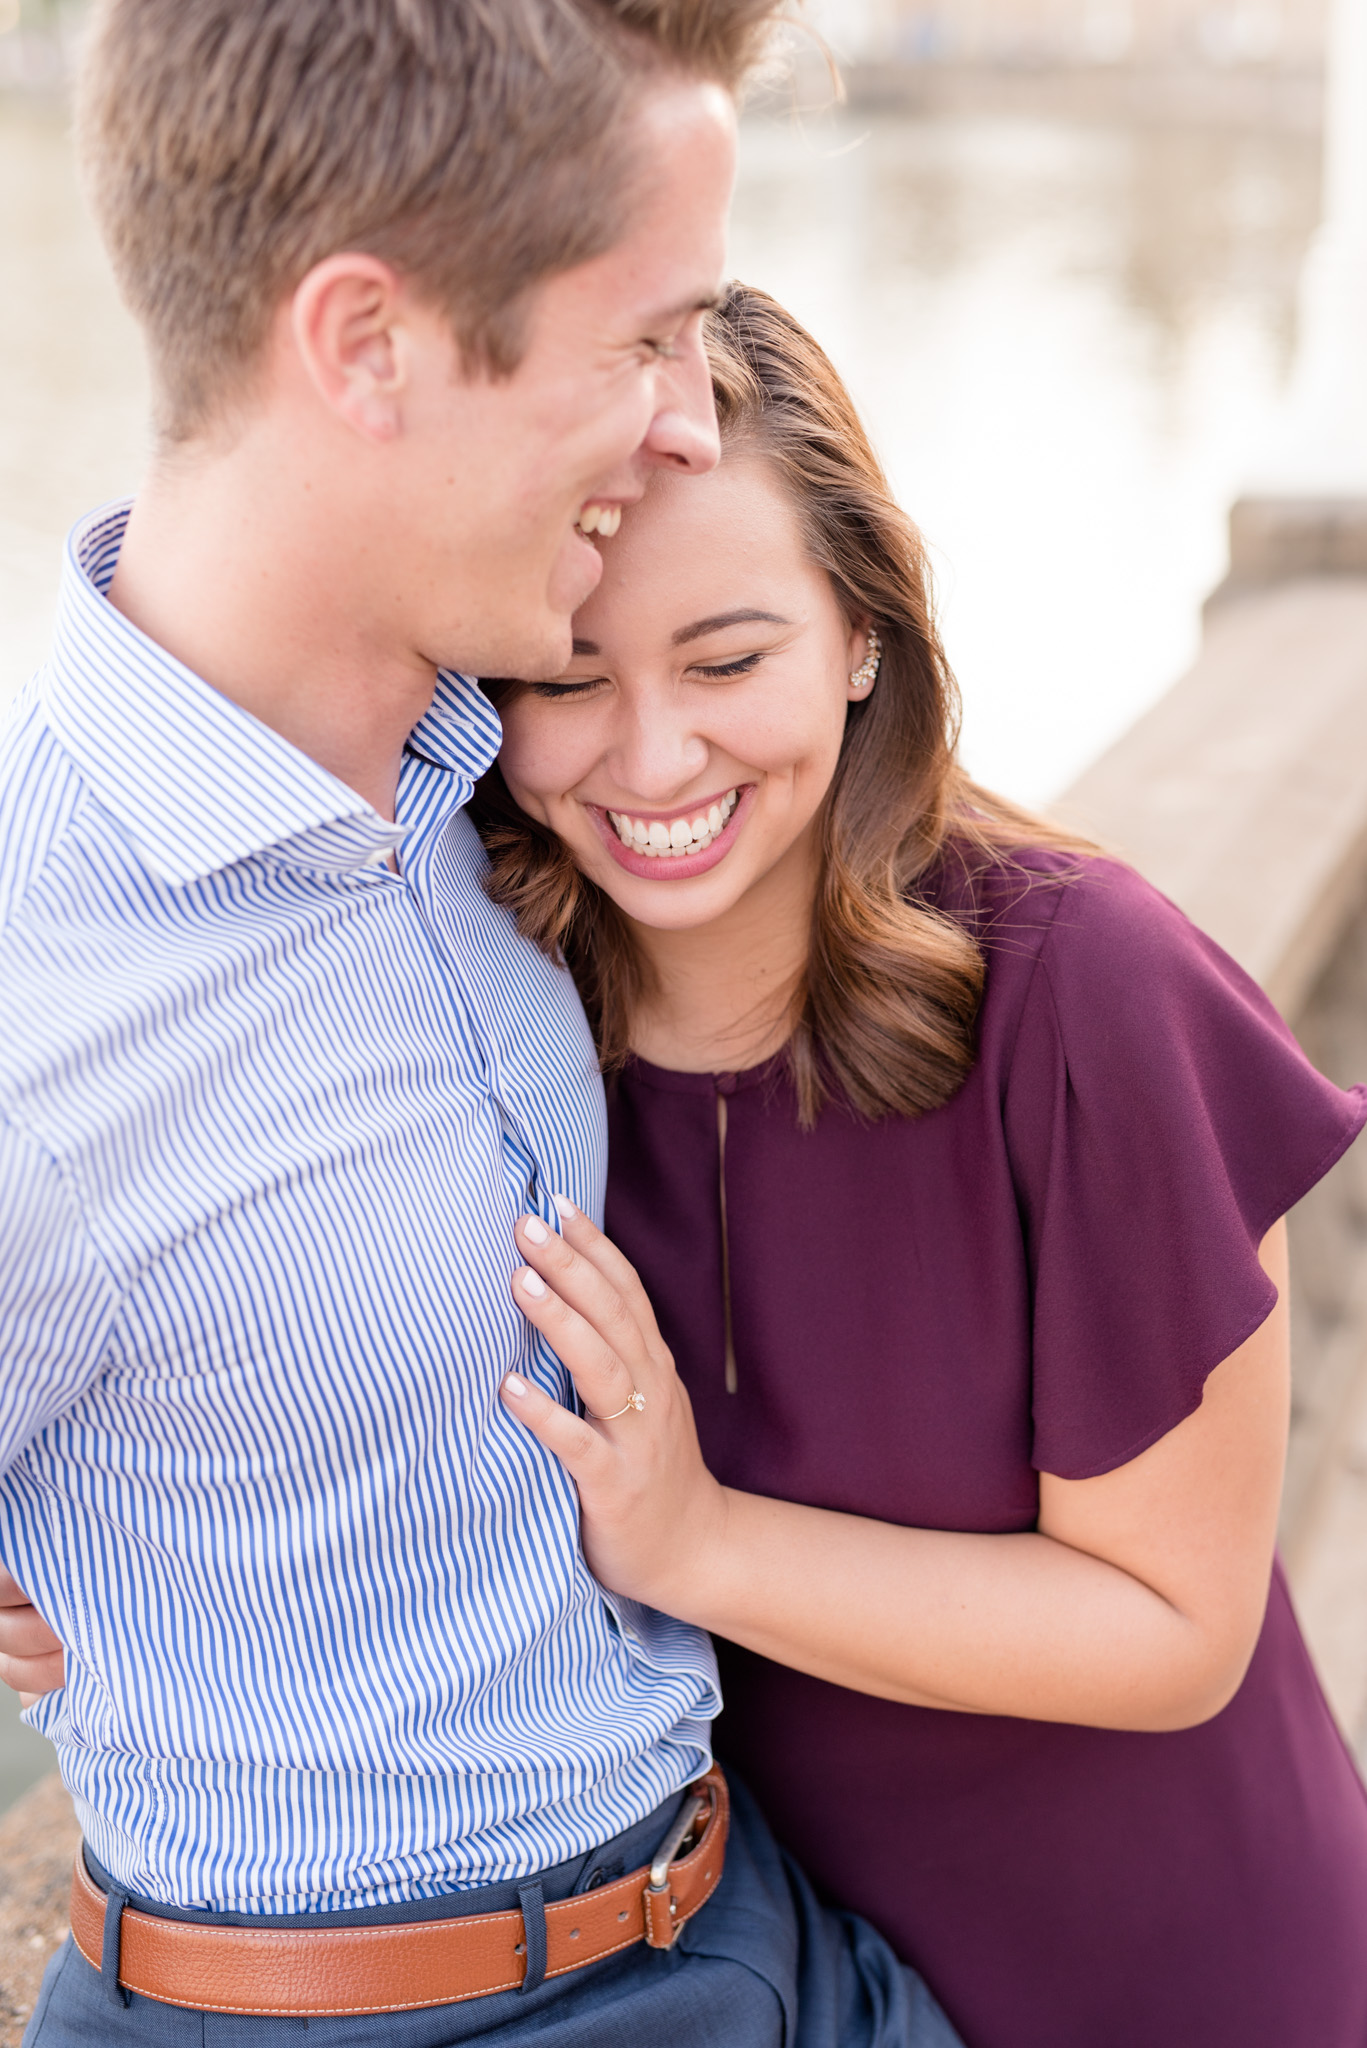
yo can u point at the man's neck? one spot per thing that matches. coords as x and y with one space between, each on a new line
244 572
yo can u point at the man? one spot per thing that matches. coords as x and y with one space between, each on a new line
351 1730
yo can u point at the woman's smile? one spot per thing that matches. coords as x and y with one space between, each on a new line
673 846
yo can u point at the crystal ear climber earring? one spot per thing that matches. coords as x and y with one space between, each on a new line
868 667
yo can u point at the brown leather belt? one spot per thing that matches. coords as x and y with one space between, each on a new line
291 1973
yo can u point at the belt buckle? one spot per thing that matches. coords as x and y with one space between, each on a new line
662 1931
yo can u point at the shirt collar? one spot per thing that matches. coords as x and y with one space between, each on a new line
196 782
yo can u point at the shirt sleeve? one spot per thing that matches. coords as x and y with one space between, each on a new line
1160 1117
57 1299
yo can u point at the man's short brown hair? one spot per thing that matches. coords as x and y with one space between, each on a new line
478 145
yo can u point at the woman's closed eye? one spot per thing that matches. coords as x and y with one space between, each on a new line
576 686
742 666
579 686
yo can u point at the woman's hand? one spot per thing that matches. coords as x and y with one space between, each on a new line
1135 1602
32 1660
652 1515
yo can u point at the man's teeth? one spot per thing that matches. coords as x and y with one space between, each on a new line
658 841
604 519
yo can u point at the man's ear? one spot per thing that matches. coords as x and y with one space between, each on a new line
347 323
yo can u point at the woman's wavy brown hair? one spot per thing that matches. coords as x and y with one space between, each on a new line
885 1015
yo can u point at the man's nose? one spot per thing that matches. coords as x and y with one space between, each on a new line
683 435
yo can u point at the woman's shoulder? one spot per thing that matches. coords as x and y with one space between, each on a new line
1085 955
1070 910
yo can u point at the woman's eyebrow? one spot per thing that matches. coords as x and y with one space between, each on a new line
743 616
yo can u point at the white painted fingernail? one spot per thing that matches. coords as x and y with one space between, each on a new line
564 1206
531 1283
515 1385
535 1229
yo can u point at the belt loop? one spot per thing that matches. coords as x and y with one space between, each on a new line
114 1903
532 1900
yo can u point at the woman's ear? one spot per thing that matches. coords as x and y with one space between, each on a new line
865 651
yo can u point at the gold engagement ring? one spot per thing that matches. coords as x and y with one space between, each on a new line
634 1400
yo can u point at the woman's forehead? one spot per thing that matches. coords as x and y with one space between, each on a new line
697 547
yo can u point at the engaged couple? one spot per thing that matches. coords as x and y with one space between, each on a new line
498 780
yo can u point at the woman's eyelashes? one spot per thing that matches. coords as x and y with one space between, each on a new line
577 688
743 665
740 667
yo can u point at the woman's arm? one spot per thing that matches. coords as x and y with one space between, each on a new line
1136 1604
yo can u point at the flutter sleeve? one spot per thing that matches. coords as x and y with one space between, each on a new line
1159 1117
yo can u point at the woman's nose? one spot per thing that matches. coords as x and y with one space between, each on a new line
657 757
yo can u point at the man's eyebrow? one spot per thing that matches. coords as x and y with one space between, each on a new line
742 616
708 303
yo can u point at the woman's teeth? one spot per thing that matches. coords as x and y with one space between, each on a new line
658 841
604 519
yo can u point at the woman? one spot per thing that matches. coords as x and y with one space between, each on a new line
952 1160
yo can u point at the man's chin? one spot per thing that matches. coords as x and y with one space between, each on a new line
532 650
575 575
535 641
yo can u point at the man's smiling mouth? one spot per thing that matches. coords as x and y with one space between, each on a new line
596 518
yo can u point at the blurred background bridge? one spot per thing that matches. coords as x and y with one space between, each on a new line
1096 271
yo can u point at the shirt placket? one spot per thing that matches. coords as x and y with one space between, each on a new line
522 1167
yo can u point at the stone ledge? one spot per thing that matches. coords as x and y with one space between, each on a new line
38 1839
1276 540
1243 793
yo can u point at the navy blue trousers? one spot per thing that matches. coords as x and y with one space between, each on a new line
763 1965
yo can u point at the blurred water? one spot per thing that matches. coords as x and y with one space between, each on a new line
1069 343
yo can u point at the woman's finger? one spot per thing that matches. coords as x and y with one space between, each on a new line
602 1378
26 1635
586 1290
566 1435
614 1265
31 1677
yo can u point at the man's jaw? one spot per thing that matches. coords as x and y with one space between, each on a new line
575 574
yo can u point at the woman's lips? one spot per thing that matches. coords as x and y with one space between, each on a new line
680 867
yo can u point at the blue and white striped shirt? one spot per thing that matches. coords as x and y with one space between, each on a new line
267 1114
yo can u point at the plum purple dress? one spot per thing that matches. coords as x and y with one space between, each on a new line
918 1317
